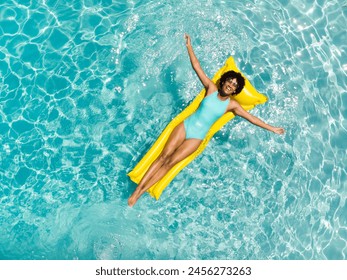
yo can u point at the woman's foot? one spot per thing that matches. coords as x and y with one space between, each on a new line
132 200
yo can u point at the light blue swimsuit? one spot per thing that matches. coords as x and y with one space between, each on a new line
211 109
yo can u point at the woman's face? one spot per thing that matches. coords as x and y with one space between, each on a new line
230 86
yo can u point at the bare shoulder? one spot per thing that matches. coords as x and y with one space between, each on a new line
211 88
233 104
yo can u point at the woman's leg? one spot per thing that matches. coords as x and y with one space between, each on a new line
184 150
175 139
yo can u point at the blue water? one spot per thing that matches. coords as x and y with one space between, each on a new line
86 88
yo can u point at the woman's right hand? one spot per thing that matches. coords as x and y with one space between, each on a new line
278 130
187 38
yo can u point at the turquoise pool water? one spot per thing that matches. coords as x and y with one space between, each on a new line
86 88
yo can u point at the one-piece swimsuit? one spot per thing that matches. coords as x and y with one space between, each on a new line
211 109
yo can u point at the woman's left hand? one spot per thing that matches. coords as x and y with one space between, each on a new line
187 38
278 130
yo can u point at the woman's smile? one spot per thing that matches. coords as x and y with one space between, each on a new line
230 86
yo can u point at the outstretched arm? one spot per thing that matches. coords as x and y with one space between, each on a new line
239 111
207 83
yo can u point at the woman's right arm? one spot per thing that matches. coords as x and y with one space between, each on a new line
237 109
207 83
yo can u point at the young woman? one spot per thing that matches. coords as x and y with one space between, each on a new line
188 135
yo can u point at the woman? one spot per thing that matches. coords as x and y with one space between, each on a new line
188 135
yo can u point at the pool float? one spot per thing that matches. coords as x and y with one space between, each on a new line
248 99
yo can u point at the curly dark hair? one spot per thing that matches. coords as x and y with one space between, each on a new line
231 75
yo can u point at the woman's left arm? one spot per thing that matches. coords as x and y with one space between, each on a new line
239 111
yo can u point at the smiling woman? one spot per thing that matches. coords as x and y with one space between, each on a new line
248 98
187 136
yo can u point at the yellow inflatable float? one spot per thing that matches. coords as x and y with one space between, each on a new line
248 99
